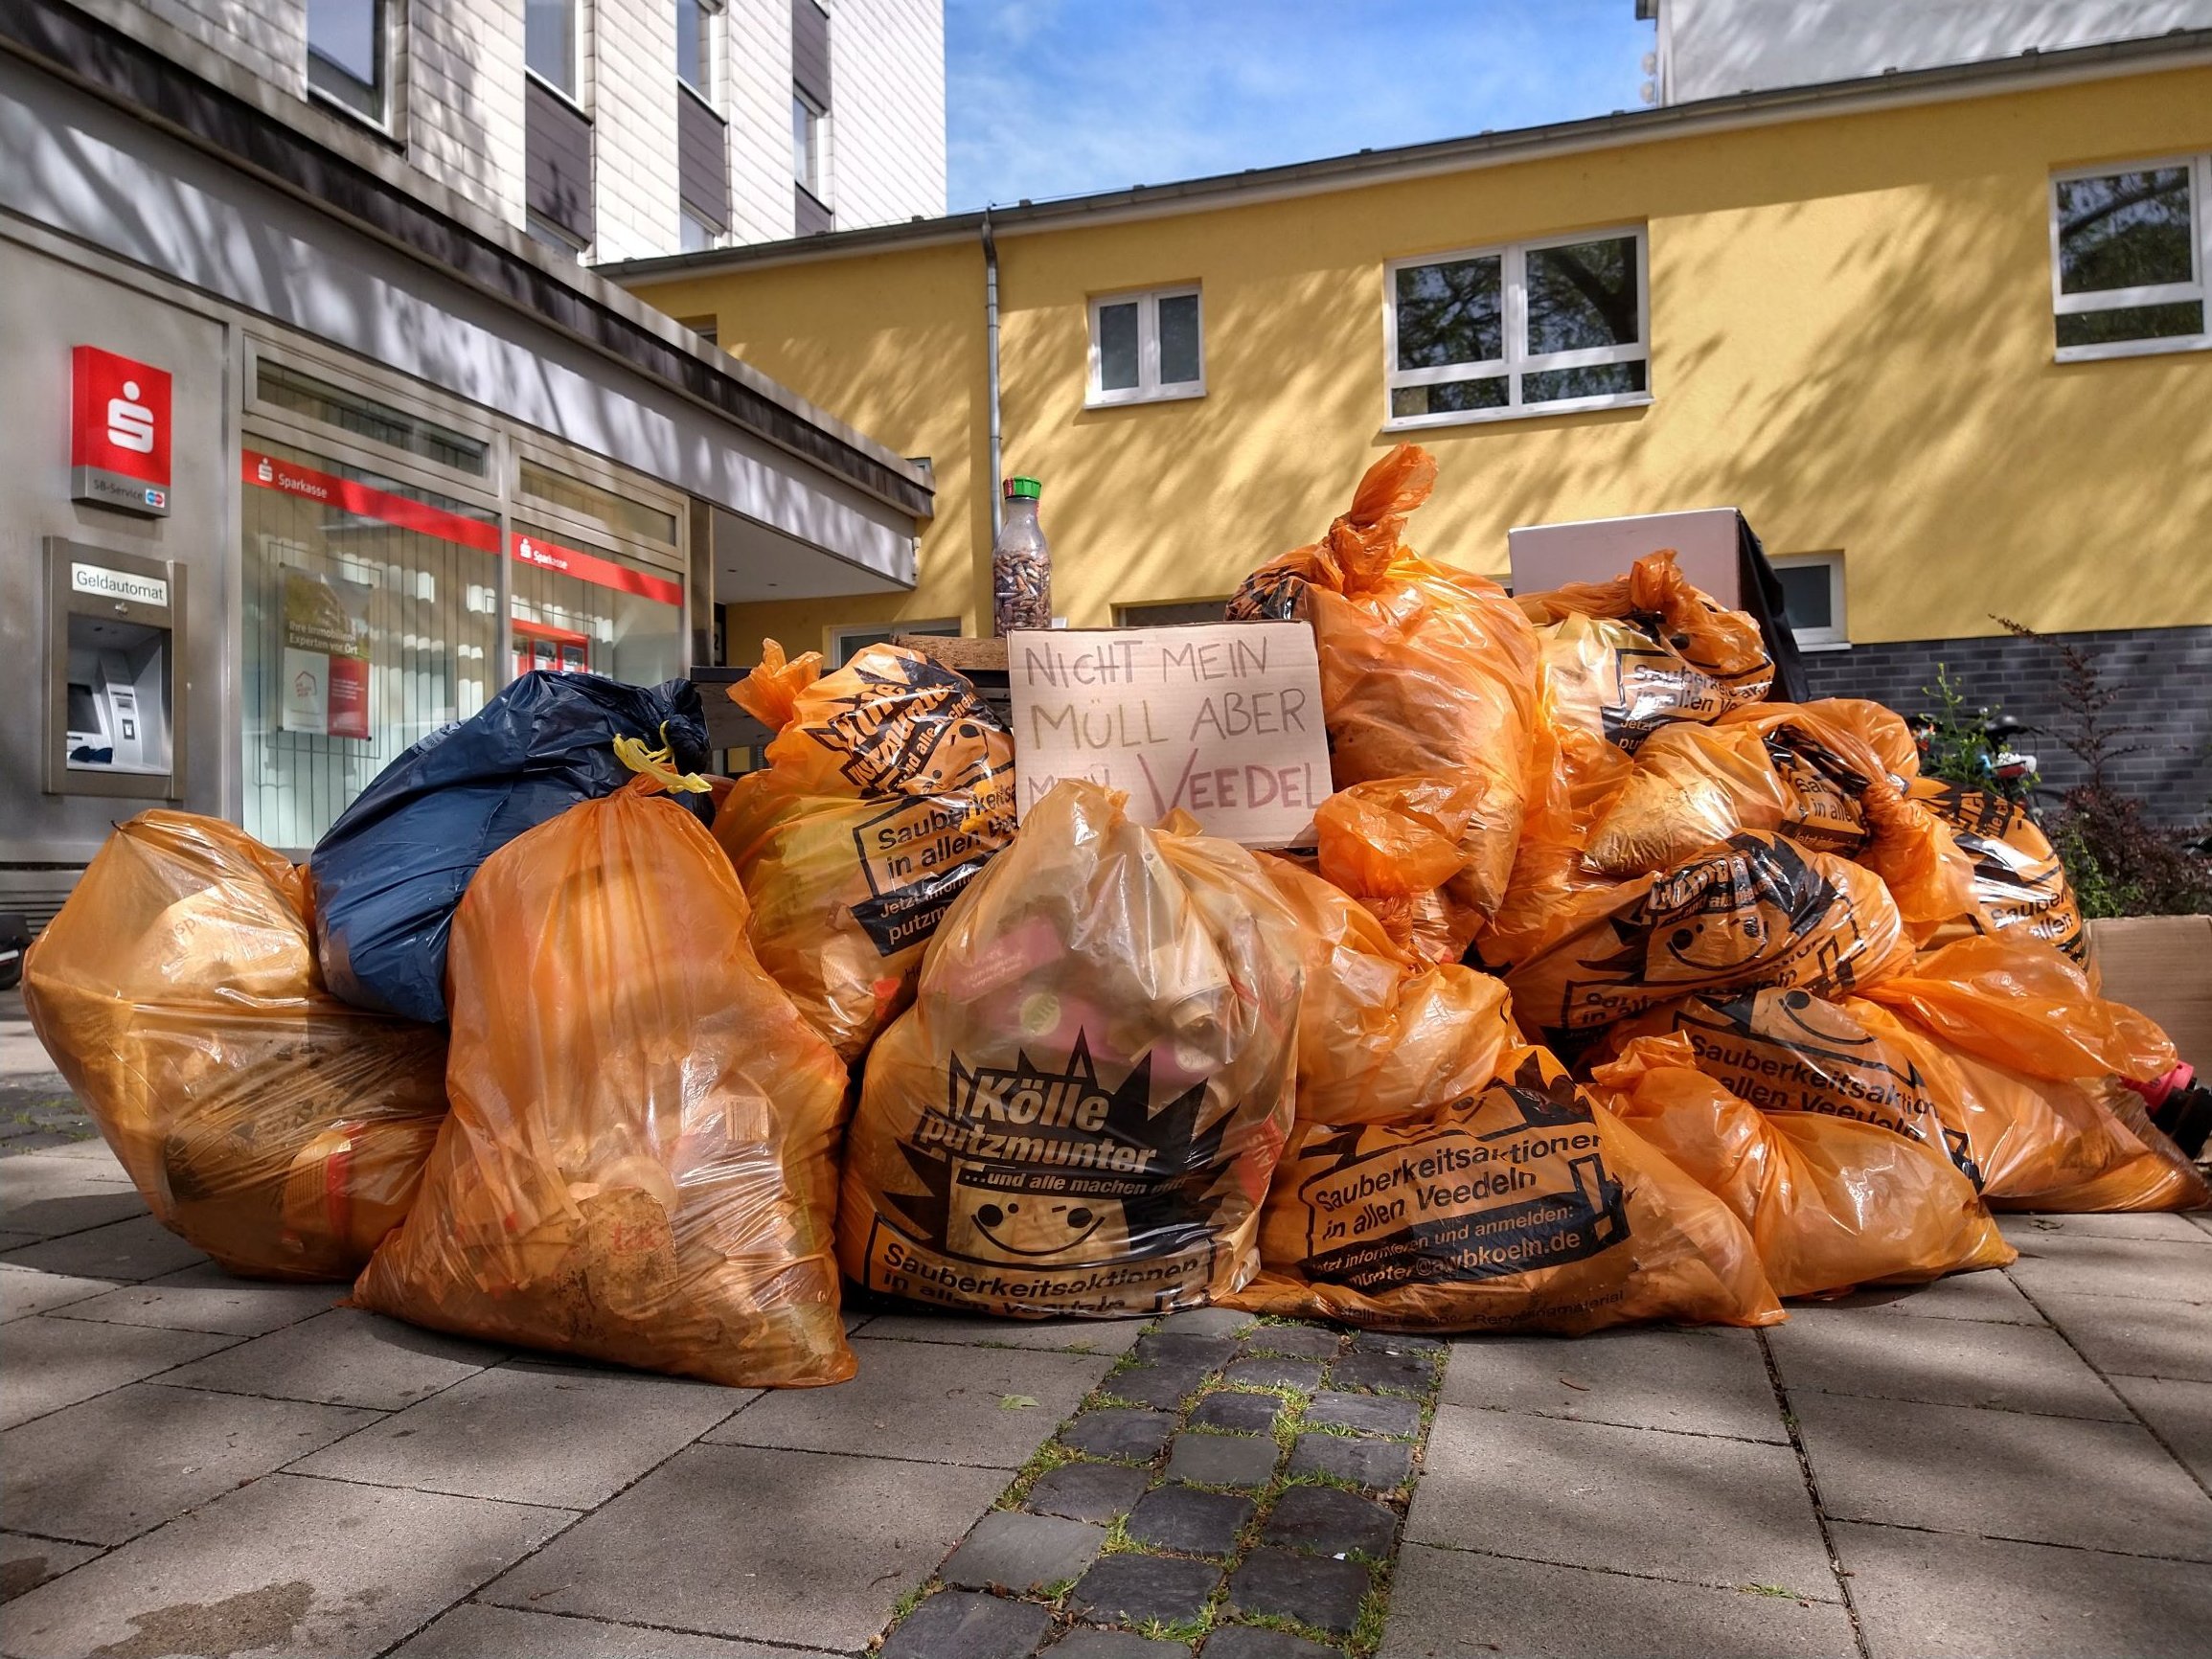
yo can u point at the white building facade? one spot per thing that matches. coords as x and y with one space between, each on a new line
621 129
1718 48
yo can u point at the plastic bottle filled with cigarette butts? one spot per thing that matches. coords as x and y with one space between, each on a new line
1020 563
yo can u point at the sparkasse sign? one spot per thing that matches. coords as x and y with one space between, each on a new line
1223 719
119 432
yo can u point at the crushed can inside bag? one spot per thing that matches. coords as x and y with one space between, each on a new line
1081 1112
888 786
639 1166
1528 1208
278 1129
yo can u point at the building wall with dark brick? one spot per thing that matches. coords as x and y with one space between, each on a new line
2165 675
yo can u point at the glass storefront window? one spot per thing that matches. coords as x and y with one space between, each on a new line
371 619
575 607
284 387
620 514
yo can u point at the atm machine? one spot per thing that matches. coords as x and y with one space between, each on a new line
114 698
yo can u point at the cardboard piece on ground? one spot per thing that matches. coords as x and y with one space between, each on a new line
1223 719
2162 966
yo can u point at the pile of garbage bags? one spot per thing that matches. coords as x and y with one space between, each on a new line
1609 991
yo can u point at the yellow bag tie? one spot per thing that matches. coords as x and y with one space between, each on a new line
659 765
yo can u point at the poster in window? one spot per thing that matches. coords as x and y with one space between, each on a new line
325 674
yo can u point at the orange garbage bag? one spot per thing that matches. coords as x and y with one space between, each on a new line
2020 1002
1080 1113
2065 1145
1756 911
1382 1033
270 1124
1693 787
1646 649
1574 776
2017 1136
1832 1203
2151 1172
2018 882
1784 1050
1804 771
1393 844
888 786
1425 671
2041 1063
640 1162
1528 1208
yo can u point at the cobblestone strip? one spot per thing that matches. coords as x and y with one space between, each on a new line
1235 1488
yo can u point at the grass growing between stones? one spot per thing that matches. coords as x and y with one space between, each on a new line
1050 1456
1179 1631
1374 1607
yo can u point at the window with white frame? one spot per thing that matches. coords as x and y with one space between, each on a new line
1529 328
1812 597
1146 347
2130 247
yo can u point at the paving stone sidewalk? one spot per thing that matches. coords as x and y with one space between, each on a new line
2011 1463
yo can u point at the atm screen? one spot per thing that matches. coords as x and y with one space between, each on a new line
84 709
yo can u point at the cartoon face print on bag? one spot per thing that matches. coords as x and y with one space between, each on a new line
1032 1228
1722 915
1031 1164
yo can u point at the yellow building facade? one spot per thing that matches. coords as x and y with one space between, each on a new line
1850 335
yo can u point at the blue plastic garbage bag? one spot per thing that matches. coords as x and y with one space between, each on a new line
385 879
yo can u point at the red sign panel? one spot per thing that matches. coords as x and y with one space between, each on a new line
536 549
119 416
291 478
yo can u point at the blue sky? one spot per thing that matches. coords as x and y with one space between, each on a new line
1049 98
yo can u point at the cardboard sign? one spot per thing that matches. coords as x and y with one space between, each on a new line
1221 720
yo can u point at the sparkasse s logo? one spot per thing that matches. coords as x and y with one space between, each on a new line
119 431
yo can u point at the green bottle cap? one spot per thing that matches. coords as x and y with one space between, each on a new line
1023 489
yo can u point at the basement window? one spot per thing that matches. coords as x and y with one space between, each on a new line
1146 348
1813 598
2129 250
1541 327
848 642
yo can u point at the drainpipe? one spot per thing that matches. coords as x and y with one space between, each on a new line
991 338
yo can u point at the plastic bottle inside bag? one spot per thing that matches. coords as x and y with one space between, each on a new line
1020 563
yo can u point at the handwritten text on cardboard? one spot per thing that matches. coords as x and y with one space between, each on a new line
1222 721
